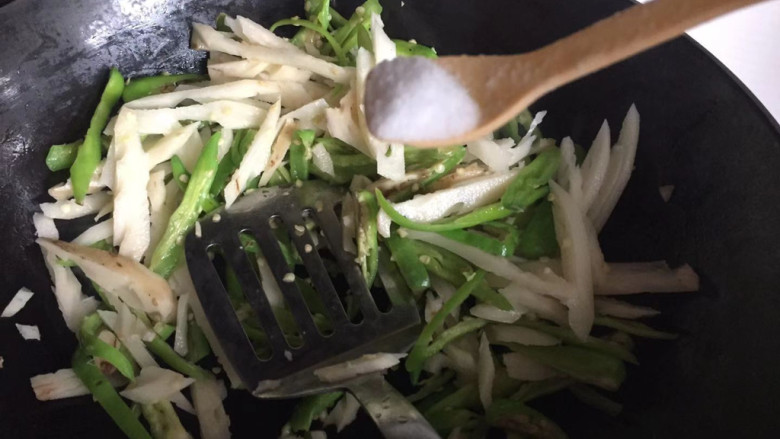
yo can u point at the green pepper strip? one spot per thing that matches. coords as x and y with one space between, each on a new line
514 416
159 347
169 251
367 241
432 385
492 297
459 330
392 280
310 408
95 347
62 156
435 172
477 216
418 355
89 153
635 328
408 261
139 87
478 240
231 160
581 364
592 343
163 420
180 173
538 238
530 184
337 49
106 396
407 48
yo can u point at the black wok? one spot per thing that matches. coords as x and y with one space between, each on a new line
701 132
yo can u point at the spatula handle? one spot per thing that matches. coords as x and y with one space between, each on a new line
624 34
396 417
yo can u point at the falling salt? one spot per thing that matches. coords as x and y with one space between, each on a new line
413 99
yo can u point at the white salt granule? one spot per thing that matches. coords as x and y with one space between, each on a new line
413 99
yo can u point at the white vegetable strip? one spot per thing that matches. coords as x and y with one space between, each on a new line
45 227
498 155
458 199
207 397
494 314
108 173
624 310
368 363
255 33
462 361
211 39
155 384
322 160
171 144
135 284
384 47
29 332
131 208
547 307
445 291
242 69
569 175
242 89
70 209
180 339
621 163
496 264
17 302
309 116
256 157
181 282
517 334
229 114
98 232
73 304
58 385
131 332
647 277
520 367
278 150
342 125
571 233
486 372
594 167
344 412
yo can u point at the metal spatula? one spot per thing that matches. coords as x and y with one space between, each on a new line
289 372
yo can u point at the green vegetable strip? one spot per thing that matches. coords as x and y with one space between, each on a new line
180 173
477 216
337 49
106 396
530 184
479 240
492 297
535 389
159 347
163 420
581 364
407 48
168 252
300 154
408 261
197 343
459 330
435 172
62 156
538 239
89 153
464 396
417 356
635 328
150 85
231 160
221 26
516 417
592 343
367 241
310 408
95 347
432 385
392 280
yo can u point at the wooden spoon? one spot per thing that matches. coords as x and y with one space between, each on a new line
503 85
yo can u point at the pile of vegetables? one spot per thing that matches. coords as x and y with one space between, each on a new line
496 240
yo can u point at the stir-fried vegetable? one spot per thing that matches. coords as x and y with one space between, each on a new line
496 242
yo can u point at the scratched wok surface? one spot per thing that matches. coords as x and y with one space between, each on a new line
701 132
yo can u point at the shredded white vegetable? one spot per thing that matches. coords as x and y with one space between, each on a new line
594 167
229 114
647 277
155 384
58 385
171 144
343 413
486 372
368 363
492 313
70 209
45 227
207 396
98 232
517 334
29 332
278 150
624 310
520 367
73 304
17 302
180 338
322 160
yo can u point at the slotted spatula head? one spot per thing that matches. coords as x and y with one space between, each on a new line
288 372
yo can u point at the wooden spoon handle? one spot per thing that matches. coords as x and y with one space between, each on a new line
624 34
